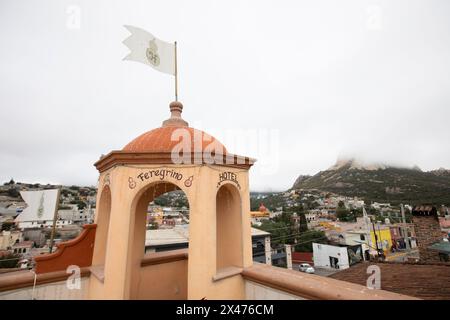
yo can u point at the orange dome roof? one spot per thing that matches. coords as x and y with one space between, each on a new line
165 139
158 146
175 132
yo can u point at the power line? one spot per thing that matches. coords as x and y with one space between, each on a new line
296 244
294 234
290 227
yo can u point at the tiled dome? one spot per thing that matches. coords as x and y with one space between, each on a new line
164 139
172 133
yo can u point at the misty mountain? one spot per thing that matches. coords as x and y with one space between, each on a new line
441 172
381 183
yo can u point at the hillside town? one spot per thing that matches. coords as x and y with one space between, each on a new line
304 230
384 231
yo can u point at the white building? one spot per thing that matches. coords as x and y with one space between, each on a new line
328 256
43 224
9 238
311 218
362 237
355 203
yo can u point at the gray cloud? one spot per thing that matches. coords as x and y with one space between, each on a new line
332 78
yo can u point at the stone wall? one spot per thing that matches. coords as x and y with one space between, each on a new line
428 231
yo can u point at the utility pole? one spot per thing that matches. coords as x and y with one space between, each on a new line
376 239
381 253
405 229
55 217
367 227
375 234
297 224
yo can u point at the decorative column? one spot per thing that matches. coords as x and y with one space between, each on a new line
268 251
288 256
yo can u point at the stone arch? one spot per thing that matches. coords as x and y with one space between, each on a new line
229 239
102 220
139 205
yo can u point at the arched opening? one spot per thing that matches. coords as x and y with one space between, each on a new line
161 222
228 228
102 221
167 225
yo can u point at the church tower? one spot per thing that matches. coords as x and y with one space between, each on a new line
216 183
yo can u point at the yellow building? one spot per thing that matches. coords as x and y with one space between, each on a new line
261 213
329 225
384 238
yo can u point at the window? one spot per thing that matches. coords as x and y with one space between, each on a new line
362 237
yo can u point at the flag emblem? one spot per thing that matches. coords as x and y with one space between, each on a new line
152 53
40 210
147 49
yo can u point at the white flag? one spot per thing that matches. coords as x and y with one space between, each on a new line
146 48
41 205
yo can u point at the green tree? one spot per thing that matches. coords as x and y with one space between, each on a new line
280 232
7 226
153 226
343 214
162 201
10 260
305 240
12 192
181 202
80 204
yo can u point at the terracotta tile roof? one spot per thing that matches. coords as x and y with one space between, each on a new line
424 281
423 208
426 210
23 244
164 139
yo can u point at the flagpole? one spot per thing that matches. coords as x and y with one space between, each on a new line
55 216
176 74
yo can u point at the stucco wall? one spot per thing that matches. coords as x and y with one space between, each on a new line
49 291
256 291
166 281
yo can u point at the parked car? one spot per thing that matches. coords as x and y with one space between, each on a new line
306 267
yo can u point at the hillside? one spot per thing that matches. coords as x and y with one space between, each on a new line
381 183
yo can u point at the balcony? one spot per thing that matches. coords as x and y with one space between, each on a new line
164 276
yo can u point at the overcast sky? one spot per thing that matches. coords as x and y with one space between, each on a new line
301 83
